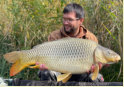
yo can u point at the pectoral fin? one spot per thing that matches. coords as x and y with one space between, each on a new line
18 66
95 73
64 77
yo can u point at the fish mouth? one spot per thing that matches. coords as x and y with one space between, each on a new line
116 60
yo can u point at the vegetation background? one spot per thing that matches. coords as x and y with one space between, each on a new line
26 23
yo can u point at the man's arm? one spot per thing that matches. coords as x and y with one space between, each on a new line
51 38
55 35
91 36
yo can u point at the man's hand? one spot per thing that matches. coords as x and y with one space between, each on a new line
100 67
93 67
42 66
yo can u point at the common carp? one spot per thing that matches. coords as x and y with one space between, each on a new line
67 55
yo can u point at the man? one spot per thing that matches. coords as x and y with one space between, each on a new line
73 17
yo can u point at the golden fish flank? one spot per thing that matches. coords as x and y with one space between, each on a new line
68 55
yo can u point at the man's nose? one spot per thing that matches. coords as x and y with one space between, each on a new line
65 22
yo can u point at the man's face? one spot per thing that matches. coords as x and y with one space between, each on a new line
70 22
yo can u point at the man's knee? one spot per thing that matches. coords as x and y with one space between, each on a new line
98 79
48 75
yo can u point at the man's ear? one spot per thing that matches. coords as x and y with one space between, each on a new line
82 20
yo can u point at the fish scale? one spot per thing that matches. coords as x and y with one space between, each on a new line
60 57
72 52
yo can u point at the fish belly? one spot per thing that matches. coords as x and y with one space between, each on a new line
67 66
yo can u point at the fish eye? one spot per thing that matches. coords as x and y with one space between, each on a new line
109 52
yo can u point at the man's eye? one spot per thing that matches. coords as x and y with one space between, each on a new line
70 19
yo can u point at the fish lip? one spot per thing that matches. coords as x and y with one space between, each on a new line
118 59
107 63
111 62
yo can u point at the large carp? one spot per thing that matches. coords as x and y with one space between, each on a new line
68 56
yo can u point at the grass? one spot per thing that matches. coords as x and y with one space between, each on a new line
26 23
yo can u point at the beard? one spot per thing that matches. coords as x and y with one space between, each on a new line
69 30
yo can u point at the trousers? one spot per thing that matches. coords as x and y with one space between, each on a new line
46 75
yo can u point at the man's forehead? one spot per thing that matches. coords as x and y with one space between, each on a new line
70 14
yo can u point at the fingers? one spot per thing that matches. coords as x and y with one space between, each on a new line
37 63
100 66
42 66
93 67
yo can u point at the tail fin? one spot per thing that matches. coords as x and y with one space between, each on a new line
19 64
16 68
